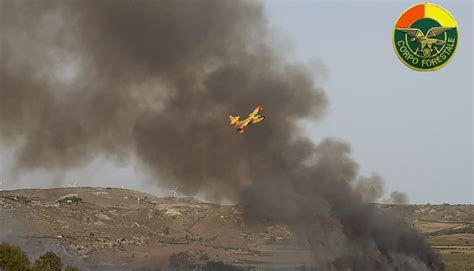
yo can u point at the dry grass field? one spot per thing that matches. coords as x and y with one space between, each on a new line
119 228
449 228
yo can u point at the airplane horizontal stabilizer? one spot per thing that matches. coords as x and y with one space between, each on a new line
233 120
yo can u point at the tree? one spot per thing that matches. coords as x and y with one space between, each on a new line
48 262
12 258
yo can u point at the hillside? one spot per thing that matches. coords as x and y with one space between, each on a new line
449 228
119 228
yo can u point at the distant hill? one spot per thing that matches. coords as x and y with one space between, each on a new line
125 229
434 213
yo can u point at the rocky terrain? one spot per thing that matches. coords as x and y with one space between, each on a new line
119 229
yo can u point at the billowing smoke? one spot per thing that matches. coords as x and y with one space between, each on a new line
155 81
370 188
397 197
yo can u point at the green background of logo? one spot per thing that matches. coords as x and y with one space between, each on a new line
424 25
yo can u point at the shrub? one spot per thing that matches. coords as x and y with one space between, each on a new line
48 262
12 258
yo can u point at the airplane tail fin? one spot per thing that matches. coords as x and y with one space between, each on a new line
233 120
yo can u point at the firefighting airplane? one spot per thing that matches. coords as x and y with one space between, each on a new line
253 118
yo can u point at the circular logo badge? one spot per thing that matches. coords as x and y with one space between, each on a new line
425 37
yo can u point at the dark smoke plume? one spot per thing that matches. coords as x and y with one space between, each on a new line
155 80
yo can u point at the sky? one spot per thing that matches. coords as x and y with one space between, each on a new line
412 128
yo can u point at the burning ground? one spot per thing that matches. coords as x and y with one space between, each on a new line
155 80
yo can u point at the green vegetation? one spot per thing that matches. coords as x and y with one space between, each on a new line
12 258
48 262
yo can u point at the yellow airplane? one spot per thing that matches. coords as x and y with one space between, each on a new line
253 118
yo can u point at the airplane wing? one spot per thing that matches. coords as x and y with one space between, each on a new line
257 119
436 31
254 113
246 122
412 32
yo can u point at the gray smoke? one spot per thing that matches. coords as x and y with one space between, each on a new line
155 80
370 188
397 197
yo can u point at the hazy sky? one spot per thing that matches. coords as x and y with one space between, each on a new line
412 128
